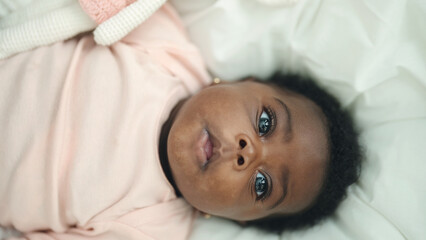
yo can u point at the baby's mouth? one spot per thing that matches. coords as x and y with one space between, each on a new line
205 148
208 147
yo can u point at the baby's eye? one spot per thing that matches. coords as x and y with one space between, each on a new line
261 185
264 123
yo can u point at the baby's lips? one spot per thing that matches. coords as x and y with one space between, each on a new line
200 148
208 148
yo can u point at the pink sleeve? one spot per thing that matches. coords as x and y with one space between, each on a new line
164 38
164 221
115 230
104 231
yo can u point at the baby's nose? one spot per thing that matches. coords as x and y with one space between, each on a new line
245 152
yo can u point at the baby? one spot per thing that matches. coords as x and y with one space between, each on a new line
114 142
276 154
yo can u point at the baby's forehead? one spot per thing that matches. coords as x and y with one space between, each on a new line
271 88
256 84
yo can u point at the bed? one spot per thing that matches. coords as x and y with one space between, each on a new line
372 56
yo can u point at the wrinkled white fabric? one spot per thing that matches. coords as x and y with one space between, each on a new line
372 56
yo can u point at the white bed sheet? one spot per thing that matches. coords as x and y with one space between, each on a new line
372 55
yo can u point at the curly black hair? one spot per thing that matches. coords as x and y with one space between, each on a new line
345 154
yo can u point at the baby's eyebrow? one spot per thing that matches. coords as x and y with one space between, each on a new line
289 128
284 183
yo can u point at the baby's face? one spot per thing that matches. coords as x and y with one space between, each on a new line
247 150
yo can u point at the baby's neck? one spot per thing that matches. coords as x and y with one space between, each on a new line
162 146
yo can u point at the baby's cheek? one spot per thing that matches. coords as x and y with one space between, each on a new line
226 186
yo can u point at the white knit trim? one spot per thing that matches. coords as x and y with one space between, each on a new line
33 10
58 25
119 25
49 22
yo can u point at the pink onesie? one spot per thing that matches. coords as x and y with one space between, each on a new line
79 127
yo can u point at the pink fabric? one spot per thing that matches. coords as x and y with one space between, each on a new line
80 126
102 10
